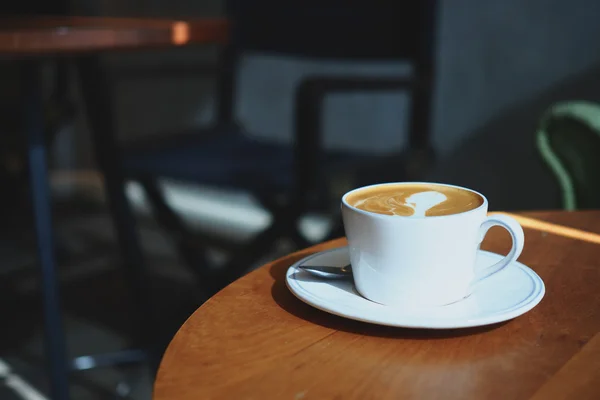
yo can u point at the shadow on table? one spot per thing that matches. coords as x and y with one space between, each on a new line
286 300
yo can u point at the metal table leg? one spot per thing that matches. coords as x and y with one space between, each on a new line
96 93
36 147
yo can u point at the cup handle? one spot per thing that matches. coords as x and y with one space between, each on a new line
518 240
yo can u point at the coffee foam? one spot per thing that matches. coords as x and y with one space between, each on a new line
414 200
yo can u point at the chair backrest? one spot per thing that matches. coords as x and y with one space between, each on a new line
327 29
568 140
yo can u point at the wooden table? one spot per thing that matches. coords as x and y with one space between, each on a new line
254 339
32 41
68 35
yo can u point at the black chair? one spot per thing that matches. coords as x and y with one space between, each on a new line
291 180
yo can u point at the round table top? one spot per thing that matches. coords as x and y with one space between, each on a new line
254 339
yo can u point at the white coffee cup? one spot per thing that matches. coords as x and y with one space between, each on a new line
422 261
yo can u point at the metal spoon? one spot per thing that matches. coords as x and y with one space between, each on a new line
344 272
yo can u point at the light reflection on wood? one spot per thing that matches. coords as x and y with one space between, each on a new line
554 229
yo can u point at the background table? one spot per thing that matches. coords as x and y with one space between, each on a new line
68 35
78 40
254 339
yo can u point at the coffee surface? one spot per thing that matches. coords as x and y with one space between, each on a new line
414 200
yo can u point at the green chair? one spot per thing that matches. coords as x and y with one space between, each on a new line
568 140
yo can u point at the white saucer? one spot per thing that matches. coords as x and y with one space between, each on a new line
505 295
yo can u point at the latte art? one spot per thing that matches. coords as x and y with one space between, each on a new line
416 204
414 200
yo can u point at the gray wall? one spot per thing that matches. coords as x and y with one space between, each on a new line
499 65
495 54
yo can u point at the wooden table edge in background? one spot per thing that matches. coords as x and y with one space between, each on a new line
52 35
34 40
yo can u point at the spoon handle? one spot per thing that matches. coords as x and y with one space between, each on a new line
341 271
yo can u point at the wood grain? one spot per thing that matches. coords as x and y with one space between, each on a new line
58 35
254 339
578 379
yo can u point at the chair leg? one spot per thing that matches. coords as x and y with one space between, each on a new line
194 255
133 356
96 95
36 147
243 259
210 279
285 222
289 215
